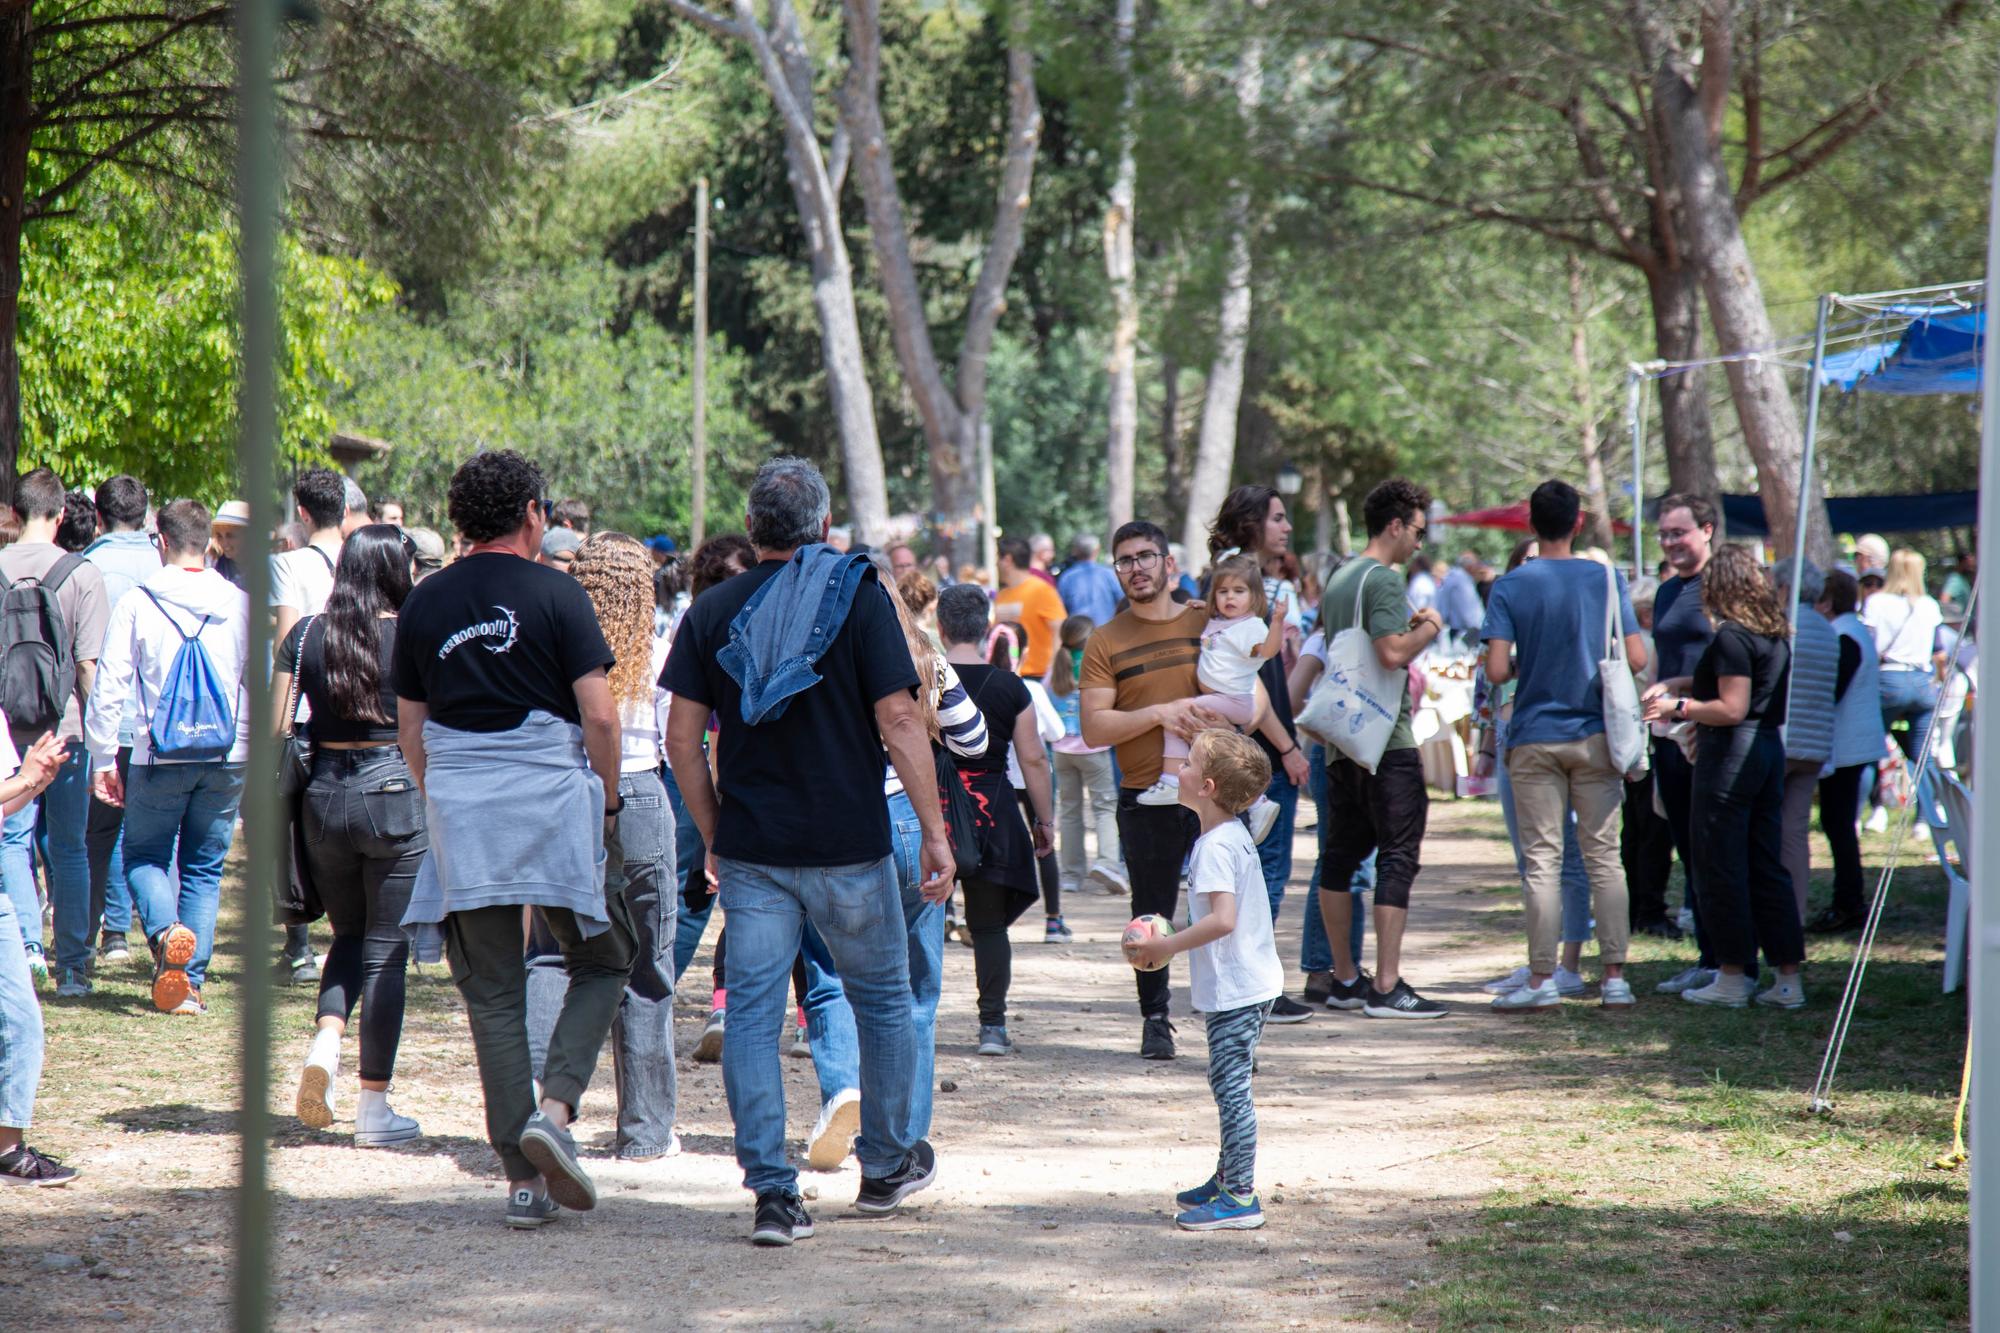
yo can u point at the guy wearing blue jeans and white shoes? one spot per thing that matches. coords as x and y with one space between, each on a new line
173 808
825 687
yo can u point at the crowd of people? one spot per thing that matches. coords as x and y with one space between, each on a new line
552 756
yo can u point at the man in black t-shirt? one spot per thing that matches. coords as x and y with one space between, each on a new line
798 830
506 659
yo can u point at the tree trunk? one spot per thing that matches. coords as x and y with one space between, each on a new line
1173 469
1597 529
1215 452
1684 421
16 113
1714 233
1120 267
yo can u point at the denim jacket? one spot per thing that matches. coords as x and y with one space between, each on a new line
787 626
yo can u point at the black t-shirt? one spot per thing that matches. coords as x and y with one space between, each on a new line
1681 631
804 789
1765 659
1001 698
327 722
490 637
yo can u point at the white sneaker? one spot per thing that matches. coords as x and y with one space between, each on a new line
1164 792
1616 993
322 1068
1685 980
833 1134
1725 992
376 1126
1544 998
1878 820
1111 879
1508 984
1263 817
1570 983
1788 993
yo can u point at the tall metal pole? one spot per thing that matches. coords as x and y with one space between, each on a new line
1983 953
259 175
698 527
1635 384
1806 457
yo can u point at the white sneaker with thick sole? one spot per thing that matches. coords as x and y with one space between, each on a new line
1725 992
1542 999
1163 792
1687 979
1570 983
1263 817
1616 993
376 1126
833 1135
1110 880
322 1067
1508 984
1788 993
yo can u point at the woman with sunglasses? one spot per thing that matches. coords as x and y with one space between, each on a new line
363 819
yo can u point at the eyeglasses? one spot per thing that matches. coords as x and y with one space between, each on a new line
1125 564
1420 532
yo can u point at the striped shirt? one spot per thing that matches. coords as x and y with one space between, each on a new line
960 722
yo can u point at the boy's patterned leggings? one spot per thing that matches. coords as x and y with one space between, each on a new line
1232 1045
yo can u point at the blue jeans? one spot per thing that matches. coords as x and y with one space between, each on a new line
65 811
689 854
836 1057
104 847
195 803
17 873
20 1026
1575 880
858 912
1274 854
1911 695
1315 954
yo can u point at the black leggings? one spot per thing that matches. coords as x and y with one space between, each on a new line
364 837
1746 892
1045 866
1839 806
989 910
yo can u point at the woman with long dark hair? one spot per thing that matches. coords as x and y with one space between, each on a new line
363 820
1737 696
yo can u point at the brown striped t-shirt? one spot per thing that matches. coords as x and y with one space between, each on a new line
1147 662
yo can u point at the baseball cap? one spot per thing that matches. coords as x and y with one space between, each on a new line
560 541
660 544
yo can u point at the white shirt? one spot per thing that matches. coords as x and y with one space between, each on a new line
139 648
10 758
1904 628
303 579
1242 967
1048 725
640 728
1229 663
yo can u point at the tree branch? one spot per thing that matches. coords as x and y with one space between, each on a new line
1003 245
1597 179
95 160
1753 115
1548 227
1718 51
214 16
707 19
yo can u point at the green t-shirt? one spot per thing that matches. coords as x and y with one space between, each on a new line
1385 610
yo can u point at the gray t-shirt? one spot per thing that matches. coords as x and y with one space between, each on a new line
1385 610
86 611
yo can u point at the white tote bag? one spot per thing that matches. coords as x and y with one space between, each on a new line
1624 724
1356 706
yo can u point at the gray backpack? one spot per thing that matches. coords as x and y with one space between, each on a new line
37 661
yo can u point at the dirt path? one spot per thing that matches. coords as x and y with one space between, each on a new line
1053 1207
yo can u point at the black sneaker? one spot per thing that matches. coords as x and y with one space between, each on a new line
1317 988
1349 994
1285 1009
882 1194
1400 1002
781 1219
299 971
25 1166
1157 1043
1835 920
1662 928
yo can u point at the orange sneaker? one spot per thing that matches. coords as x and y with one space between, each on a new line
172 952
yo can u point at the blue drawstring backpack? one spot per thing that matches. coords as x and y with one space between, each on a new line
196 715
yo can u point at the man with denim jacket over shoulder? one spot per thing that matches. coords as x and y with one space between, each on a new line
797 827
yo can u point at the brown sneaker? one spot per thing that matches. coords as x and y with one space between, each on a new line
172 952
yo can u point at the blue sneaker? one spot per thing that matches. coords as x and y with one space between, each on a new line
1206 1192
1225 1212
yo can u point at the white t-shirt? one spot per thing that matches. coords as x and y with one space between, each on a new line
1229 662
1048 725
1242 967
303 579
641 725
10 758
1905 629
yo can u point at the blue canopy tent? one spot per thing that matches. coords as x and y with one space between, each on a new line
1744 514
1938 352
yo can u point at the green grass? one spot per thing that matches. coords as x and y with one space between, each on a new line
1666 1174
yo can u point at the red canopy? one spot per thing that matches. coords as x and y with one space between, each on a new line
1512 518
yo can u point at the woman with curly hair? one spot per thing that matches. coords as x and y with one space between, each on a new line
1737 697
616 571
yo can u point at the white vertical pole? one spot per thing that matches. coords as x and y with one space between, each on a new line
1806 460
1634 384
1984 951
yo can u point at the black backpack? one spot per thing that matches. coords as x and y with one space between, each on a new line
37 661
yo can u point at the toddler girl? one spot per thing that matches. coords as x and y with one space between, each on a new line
1235 643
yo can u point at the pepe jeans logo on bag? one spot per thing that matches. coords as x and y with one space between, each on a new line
505 628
